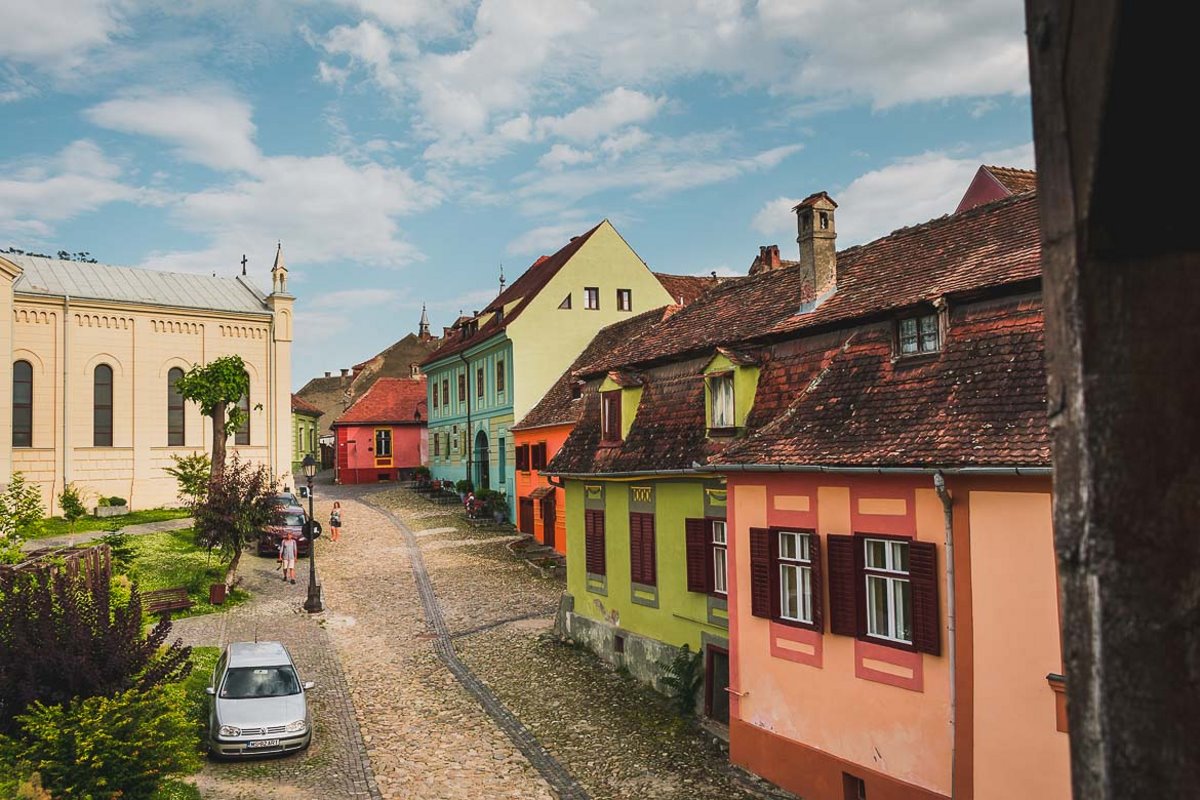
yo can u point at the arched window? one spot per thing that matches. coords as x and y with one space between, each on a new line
102 406
22 420
242 436
175 429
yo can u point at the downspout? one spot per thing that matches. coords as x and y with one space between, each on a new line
66 397
470 448
939 484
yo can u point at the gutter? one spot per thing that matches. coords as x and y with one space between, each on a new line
470 444
1025 471
939 485
631 474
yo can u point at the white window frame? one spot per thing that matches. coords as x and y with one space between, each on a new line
798 561
720 557
721 401
919 335
893 581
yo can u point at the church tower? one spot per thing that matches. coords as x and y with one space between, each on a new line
423 330
280 375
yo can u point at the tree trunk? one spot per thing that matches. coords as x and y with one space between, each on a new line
231 573
220 437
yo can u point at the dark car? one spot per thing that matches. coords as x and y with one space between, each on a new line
286 499
292 521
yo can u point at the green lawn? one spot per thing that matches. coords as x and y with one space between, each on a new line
191 695
170 559
57 526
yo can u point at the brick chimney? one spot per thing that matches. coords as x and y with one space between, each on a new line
345 372
768 259
818 240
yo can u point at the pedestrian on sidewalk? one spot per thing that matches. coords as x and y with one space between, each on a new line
335 521
287 553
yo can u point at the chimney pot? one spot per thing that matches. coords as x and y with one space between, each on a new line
345 372
327 374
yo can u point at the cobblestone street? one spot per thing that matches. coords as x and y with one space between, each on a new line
476 703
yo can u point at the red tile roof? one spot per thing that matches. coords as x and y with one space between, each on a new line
685 289
557 406
1015 180
395 401
522 291
984 247
302 406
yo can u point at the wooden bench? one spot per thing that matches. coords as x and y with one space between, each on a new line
164 601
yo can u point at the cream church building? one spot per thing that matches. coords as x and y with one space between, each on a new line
86 389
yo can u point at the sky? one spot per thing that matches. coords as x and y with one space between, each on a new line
404 151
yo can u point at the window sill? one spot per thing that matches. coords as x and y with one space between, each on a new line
915 359
795 623
907 647
722 433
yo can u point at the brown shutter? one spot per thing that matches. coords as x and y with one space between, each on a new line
844 580
593 522
698 560
760 572
922 572
773 573
649 556
635 548
523 457
818 589
641 548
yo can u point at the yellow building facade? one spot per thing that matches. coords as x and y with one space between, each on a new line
92 352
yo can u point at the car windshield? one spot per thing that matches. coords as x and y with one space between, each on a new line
242 683
293 520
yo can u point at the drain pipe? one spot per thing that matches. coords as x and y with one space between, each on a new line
470 443
939 484
66 397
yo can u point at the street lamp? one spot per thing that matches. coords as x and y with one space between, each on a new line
313 604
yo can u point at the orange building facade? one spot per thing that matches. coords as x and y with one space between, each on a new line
540 506
827 715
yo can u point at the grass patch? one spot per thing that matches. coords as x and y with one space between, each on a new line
169 559
57 526
178 790
190 693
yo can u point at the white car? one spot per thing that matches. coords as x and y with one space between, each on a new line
259 704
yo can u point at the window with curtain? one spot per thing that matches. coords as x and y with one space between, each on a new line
242 435
22 414
175 430
102 406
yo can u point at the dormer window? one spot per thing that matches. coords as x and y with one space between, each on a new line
576 390
919 335
720 393
610 416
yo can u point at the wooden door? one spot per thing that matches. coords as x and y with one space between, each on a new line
716 681
525 518
549 517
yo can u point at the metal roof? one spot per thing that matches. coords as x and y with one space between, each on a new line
56 278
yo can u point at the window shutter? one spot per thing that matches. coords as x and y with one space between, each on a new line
922 572
843 585
641 548
635 548
773 573
542 455
760 572
818 588
594 542
523 457
698 568
649 561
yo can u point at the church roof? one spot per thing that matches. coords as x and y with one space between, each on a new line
56 278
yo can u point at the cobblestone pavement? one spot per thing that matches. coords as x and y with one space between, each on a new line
401 716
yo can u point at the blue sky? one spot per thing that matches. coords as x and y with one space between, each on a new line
403 149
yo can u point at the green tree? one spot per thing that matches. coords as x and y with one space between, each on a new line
239 506
21 516
192 474
683 678
217 387
71 502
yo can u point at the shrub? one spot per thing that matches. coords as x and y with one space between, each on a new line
117 501
683 677
21 516
239 506
71 502
192 474
63 638
120 548
125 746
421 473
464 486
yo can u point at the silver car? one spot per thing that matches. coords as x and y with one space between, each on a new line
259 704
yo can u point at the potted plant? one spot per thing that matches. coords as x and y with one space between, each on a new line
464 488
499 507
110 507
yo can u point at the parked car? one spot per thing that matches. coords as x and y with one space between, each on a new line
258 703
292 521
286 498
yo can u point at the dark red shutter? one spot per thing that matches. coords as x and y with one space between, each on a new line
760 572
773 572
523 457
635 548
593 523
641 548
696 532
649 556
542 452
922 572
844 580
818 589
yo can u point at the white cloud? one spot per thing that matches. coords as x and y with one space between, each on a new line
79 179
367 45
207 126
55 33
545 239
350 299
430 16
626 141
614 110
563 155
776 217
912 190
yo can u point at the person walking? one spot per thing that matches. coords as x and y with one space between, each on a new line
335 521
287 554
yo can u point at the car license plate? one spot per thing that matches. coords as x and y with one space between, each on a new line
263 743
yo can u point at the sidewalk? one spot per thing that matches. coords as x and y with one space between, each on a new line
73 540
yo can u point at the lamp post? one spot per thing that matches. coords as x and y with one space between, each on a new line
313 604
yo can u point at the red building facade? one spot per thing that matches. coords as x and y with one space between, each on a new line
383 436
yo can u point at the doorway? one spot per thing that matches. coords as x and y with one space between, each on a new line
525 515
716 681
481 461
549 517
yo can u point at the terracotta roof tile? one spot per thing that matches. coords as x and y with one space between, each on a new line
557 406
1015 180
389 400
302 406
685 289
